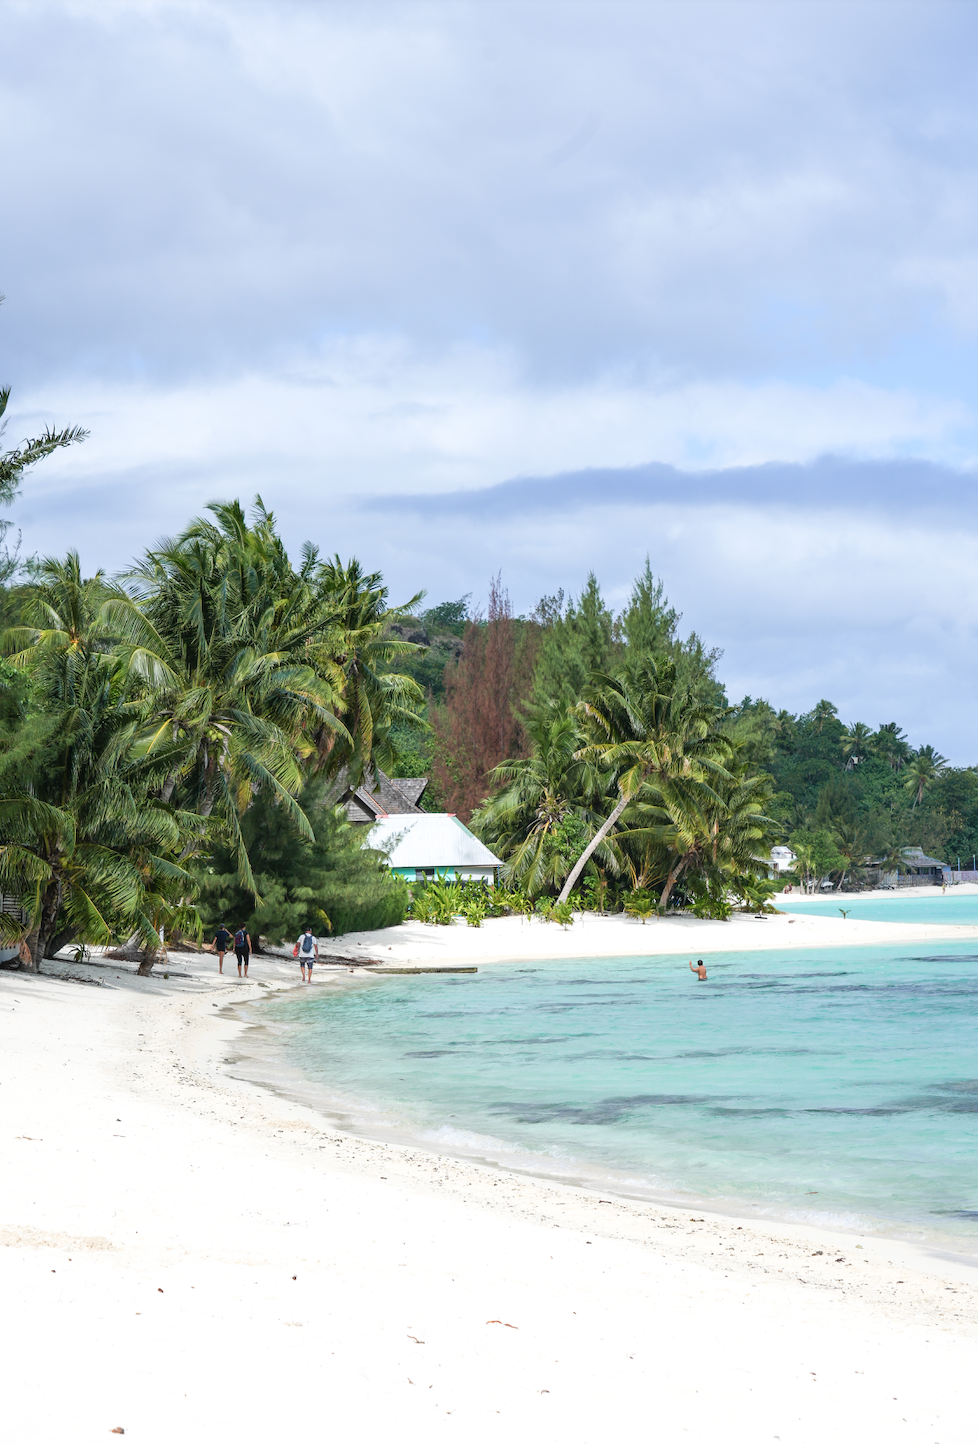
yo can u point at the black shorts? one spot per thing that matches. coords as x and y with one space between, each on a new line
242 955
306 960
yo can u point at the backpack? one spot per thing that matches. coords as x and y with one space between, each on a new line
308 942
239 938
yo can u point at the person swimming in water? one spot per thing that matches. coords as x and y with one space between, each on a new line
699 968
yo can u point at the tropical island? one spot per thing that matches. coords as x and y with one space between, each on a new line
221 733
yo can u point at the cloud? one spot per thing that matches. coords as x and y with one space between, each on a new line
722 190
457 288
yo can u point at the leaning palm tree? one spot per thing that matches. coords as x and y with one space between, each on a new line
924 767
653 735
717 832
543 802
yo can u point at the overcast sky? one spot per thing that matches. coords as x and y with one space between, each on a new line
534 287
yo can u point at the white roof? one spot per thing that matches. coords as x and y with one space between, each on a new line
429 839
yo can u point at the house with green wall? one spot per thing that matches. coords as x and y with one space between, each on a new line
429 845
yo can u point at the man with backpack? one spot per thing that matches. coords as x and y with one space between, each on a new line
306 950
242 948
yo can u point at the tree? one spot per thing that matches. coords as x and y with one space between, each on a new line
924 768
823 712
331 882
856 743
648 624
479 724
255 668
890 744
573 645
545 806
714 836
82 837
817 855
358 641
652 734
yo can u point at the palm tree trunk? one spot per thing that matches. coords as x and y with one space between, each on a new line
671 881
596 841
32 966
43 925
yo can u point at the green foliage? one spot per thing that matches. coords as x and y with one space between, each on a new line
578 639
84 836
448 617
440 901
755 892
329 881
818 855
640 904
710 899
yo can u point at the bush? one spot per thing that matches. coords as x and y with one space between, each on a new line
333 884
641 904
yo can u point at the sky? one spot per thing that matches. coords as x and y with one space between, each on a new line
529 288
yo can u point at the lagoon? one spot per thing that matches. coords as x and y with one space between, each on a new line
836 1085
958 909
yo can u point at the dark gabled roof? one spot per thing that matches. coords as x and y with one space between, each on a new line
387 797
411 787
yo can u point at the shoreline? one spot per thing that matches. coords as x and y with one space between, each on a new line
349 1115
513 939
158 1209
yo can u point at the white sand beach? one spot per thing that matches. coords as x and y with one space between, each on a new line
186 1256
510 939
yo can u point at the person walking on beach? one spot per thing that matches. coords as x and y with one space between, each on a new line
307 948
699 969
221 943
242 949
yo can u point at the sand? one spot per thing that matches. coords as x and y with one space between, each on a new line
187 1256
512 939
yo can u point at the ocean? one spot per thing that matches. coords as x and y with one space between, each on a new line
837 1086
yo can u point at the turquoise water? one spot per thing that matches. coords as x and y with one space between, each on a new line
832 1084
960 910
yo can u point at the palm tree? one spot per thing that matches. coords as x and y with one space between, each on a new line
650 733
925 766
855 743
852 842
544 803
82 838
823 712
719 832
373 699
890 744
228 641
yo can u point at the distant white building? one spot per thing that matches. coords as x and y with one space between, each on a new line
432 845
782 860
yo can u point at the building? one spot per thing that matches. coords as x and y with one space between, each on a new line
432 845
782 860
10 951
916 870
387 797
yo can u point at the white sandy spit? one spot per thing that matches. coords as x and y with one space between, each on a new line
189 1257
512 939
